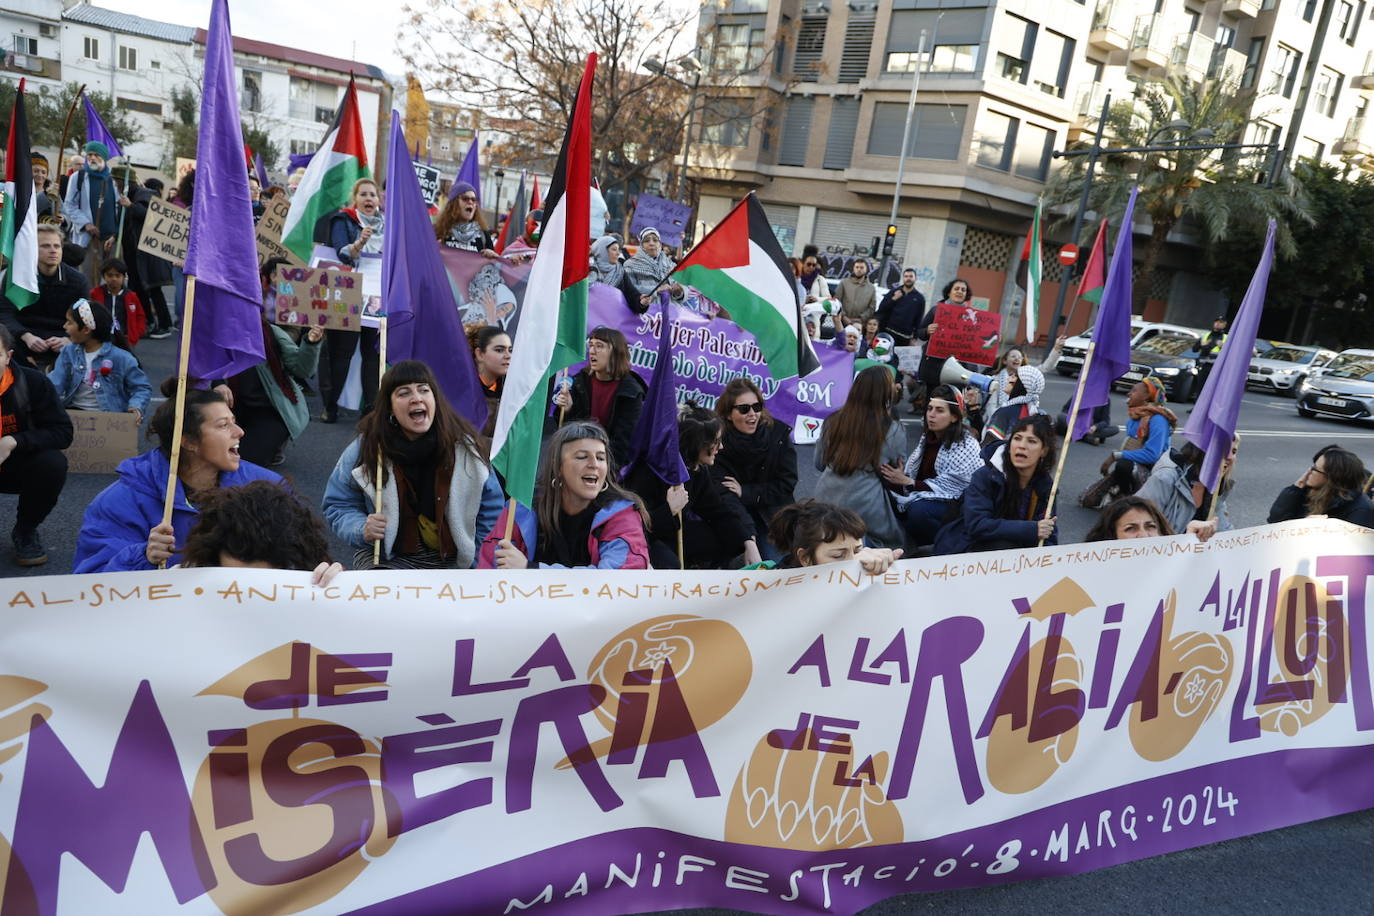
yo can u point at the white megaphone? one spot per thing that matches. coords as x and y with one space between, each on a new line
952 373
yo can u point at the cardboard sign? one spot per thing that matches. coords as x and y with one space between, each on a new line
316 297
101 440
966 333
908 359
166 231
429 181
269 229
668 217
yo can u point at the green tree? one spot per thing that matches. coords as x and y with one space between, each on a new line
1322 292
47 111
185 132
1222 192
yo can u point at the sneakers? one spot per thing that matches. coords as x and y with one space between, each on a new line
1097 494
28 549
330 415
160 334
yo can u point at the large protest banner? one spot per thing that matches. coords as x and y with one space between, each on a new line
486 290
790 741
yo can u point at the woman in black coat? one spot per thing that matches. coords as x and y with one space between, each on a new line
1331 487
757 461
606 390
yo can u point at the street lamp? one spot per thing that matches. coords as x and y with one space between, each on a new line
498 173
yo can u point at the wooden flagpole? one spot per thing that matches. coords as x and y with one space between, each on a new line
1068 434
123 211
381 373
177 421
66 129
681 553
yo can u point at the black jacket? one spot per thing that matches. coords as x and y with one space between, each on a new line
1292 503
707 501
31 412
899 313
45 317
625 408
764 464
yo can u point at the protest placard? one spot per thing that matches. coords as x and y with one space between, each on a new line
100 441
668 217
318 297
429 181
269 232
966 333
166 231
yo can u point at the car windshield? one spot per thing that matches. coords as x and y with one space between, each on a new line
1169 344
1289 355
1352 367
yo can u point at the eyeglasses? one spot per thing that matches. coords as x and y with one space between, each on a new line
468 199
1316 470
755 407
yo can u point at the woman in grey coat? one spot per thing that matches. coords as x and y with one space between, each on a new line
856 441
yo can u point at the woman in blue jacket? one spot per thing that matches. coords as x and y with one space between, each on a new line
1005 503
122 528
96 371
1149 432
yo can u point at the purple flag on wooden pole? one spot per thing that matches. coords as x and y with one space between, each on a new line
1212 424
422 320
1111 340
97 131
470 171
222 254
655 440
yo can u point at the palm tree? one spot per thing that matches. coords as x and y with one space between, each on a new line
1220 191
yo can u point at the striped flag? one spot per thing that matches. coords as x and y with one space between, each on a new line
1094 277
19 220
328 179
1111 340
553 324
1028 277
514 226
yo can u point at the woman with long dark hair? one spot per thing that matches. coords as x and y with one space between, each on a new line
956 292
439 496
757 460
491 349
460 224
1331 486
582 518
939 469
1005 503
606 390
1127 518
856 441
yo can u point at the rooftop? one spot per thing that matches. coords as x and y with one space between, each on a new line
130 24
297 56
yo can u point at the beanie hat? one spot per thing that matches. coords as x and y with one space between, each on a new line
100 149
460 188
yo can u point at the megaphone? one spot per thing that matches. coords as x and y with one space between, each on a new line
951 373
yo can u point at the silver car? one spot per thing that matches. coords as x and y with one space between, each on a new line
1280 369
1344 388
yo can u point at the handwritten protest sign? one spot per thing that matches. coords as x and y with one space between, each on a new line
966 333
317 297
668 217
788 741
166 231
429 181
269 229
100 441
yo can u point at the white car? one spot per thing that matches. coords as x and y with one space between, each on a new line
1282 368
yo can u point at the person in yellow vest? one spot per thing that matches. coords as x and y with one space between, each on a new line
1209 350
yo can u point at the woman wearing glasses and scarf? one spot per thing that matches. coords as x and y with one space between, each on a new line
757 461
460 225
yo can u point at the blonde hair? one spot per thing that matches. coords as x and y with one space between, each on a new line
353 195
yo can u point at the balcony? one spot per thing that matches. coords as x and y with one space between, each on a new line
1111 29
1356 140
1192 56
1149 47
31 65
1226 63
1245 9
1365 78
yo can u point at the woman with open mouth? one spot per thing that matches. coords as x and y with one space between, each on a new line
122 528
439 497
606 390
355 232
581 517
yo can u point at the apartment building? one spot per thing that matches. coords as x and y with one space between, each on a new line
32 34
1002 86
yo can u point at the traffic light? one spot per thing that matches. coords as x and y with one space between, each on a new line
890 241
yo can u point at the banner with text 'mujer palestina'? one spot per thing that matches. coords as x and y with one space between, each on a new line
790 741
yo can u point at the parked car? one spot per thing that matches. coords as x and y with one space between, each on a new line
1343 388
1171 356
1075 348
1282 367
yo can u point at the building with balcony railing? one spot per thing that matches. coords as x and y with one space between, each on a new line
1003 84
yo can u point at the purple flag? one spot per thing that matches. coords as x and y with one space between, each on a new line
655 440
96 129
1111 340
222 254
470 171
421 316
261 170
299 160
1212 424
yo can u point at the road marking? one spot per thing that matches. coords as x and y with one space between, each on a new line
1296 434
1289 406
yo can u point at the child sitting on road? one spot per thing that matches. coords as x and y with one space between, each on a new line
96 371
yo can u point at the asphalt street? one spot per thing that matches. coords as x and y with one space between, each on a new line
1323 866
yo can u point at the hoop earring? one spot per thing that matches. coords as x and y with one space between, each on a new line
605 485
557 483
391 418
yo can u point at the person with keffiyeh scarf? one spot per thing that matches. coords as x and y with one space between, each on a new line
649 267
1148 434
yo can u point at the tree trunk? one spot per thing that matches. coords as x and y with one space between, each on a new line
1140 291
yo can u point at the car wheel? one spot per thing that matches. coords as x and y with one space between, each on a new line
1067 373
1304 412
1182 390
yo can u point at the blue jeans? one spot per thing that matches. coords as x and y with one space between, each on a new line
923 518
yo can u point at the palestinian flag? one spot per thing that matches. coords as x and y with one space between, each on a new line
553 323
514 226
328 181
19 219
1028 277
1095 271
741 265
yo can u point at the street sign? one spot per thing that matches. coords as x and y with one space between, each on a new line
1068 255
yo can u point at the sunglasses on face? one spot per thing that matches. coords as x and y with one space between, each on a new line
749 408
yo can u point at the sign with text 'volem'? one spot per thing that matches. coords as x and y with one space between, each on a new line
317 297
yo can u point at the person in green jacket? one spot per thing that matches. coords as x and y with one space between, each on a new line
267 400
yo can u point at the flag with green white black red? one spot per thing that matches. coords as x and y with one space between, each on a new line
740 265
328 181
19 218
553 322
1028 277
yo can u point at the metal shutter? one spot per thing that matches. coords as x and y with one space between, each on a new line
806 61
858 42
796 131
839 140
783 219
853 232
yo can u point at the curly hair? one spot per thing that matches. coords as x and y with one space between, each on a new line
259 522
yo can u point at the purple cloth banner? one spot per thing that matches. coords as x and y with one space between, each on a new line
1111 341
97 131
668 217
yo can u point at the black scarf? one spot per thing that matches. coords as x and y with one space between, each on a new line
416 460
744 449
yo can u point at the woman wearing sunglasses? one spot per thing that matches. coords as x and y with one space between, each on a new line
757 461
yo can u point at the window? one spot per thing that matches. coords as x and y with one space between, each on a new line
23 44
726 122
1308 148
1309 9
956 45
1016 44
1283 71
1049 71
1266 133
1327 90
839 140
303 147
142 107
796 130
1033 151
252 90
1252 60
90 48
994 138
1346 21
155 64
806 59
128 58
1226 35
937 131
736 46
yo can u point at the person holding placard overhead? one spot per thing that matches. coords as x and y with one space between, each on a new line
354 231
